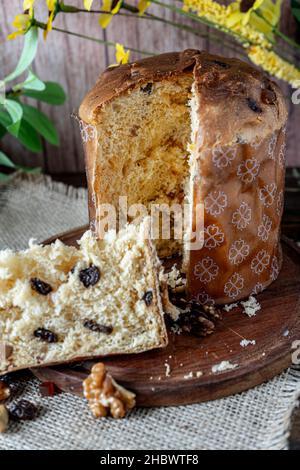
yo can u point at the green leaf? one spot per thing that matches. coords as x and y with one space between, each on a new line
4 178
5 161
53 94
296 9
5 119
2 131
15 111
29 137
41 123
28 54
32 82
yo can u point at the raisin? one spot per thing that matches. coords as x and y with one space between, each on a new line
253 105
148 298
268 96
90 276
221 64
40 286
23 410
45 335
147 89
94 326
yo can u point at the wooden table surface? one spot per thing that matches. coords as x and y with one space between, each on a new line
290 227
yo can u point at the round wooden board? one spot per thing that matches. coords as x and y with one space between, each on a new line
190 359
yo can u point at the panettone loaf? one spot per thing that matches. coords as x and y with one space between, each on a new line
60 303
194 128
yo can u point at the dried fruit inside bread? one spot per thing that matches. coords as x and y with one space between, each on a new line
193 128
61 303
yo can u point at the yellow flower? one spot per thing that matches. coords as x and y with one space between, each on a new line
274 64
262 16
22 23
112 8
143 5
220 14
122 56
87 4
242 12
271 11
28 5
52 7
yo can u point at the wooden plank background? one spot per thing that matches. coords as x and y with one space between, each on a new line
75 63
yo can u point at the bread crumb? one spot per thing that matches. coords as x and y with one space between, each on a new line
174 278
223 366
192 374
230 307
246 342
286 333
168 369
251 306
188 376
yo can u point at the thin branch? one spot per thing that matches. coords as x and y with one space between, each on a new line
90 38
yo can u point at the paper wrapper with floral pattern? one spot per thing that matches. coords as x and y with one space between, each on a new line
242 188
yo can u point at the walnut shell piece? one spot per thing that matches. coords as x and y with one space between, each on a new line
4 418
105 396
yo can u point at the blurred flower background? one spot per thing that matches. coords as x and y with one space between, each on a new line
52 52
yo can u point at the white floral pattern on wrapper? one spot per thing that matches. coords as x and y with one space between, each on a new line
279 203
260 262
267 194
222 157
274 268
213 237
242 216
272 147
281 157
234 286
257 289
215 202
248 170
203 298
206 270
264 229
238 252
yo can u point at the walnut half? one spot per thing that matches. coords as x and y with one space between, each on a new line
105 396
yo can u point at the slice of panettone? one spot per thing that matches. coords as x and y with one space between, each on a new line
61 303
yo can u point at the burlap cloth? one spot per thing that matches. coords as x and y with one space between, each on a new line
257 419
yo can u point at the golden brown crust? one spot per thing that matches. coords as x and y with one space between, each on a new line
238 103
230 90
117 80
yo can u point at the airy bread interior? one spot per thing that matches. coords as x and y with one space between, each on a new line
152 167
128 269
